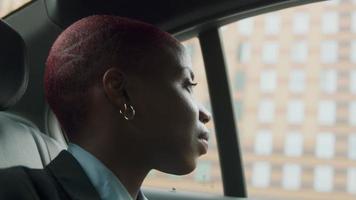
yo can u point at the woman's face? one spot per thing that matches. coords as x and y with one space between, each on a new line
168 120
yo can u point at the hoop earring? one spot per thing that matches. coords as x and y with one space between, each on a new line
128 113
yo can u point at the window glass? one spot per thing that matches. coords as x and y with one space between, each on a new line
351 181
266 111
353 22
7 6
326 112
325 143
330 23
299 52
263 143
329 52
297 81
301 23
295 111
352 147
297 130
268 81
293 146
272 24
323 178
328 80
261 174
206 177
270 53
291 176
245 26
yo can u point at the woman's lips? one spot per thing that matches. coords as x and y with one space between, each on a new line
203 146
203 143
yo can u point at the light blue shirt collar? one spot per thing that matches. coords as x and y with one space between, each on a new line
105 182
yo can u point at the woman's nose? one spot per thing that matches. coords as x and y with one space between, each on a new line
204 114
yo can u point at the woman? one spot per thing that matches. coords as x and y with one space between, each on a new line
122 92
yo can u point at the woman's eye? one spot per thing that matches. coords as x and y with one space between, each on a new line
190 86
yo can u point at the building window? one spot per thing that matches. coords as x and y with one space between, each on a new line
328 81
266 111
244 52
272 24
325 145
293 145
326 112
240 80
295 112
189 49
323 178
329 52
301 23
352 51
299 52
263 143
261 173
270 53
245 26
353 22
352 82
333 2
268 81
296 81
352 146
203 172
352 113
330 23
238 109
291 176
351 180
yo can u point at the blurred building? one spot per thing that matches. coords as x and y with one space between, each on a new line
293 80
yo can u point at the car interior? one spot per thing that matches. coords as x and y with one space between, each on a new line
31 136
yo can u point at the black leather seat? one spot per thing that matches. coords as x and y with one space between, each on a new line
21 142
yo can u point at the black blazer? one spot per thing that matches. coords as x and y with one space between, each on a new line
62 179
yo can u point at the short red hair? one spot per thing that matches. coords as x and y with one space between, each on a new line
84 51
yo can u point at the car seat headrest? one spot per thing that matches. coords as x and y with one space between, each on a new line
13 68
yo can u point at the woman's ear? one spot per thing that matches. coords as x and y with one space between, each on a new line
114 81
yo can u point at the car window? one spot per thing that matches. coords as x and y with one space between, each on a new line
7 6
206 177
293 80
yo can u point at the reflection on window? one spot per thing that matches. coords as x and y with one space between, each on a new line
298 128
7 6
206 177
